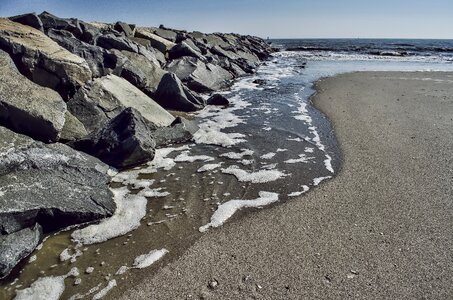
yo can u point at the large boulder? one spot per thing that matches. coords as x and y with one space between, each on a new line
198 76
26 107
16 246
183 49
52 185
156 41
167 34
218 99
110 41
124 28
50 21
43 60
100 60
182 130
106 97
30 19
73 129
142 72
125 141
172 94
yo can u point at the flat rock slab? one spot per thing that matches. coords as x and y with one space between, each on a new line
156 41
26 107
52 185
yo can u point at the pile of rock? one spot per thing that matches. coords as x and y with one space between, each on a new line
77 98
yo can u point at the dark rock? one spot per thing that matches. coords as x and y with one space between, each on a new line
50 21
166 34
183 49
42 60
16 246
260 82
104 98
125 141
110 41
182 130
156 41
52 185
124 28
90 33
218 99
31 20
26 107
172 94
100 61
141 41
198 76
73 129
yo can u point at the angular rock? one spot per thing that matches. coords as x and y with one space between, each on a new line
50 21
172 94
26 107
106 97
90 33
125 28
100 61
52 185
110 41
198 76
183 49
218 99
16 246
156 41
43 60
31 20
123 142
73 129
166 34
182 130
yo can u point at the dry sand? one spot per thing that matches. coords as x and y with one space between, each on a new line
382 229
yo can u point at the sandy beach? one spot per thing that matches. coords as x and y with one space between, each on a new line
382 229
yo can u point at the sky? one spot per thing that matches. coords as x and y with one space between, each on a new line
265 18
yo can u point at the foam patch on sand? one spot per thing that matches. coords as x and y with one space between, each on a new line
260 176
269 155
318 180
303 158
153 193
102 293
237 155
228 209
305 189
144 261
185 157
130 209
46 288
209 167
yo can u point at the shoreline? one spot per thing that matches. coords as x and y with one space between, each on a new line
338 241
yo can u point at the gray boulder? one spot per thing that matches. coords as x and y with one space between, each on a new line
50 21
182 130
172 94
73 129
31 20
125 141
16 246
26 107
218 99
100 61
183 49
52 185
124 28
90 33
106 97
43 60
166 34
110 41
156 41
200 77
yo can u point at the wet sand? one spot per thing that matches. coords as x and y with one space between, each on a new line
382 229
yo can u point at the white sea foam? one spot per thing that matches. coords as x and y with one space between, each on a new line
305 189
130 209
318 180
227 209
146 260
237 155
260 176
303 158
102 293
153 193
185 157
269 155
209 167
281 150
66 254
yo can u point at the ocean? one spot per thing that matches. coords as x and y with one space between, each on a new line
269 146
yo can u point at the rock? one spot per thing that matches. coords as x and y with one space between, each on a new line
100 61
31 20
43 60
142 73
156 41
218 99
172 94
90 33
183 49
73 129
123 142
50 21
106 97
52 185
26 107
125 28
110 41
144 42
16 246
166 34
182 130
200 77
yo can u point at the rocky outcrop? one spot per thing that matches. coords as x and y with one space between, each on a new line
156 41
183 49
16 246
26 107
124 28
172 94
50 21
52 185
111 41
43 60
125 141
31 20
200 77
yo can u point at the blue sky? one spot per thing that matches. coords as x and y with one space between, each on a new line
284 18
